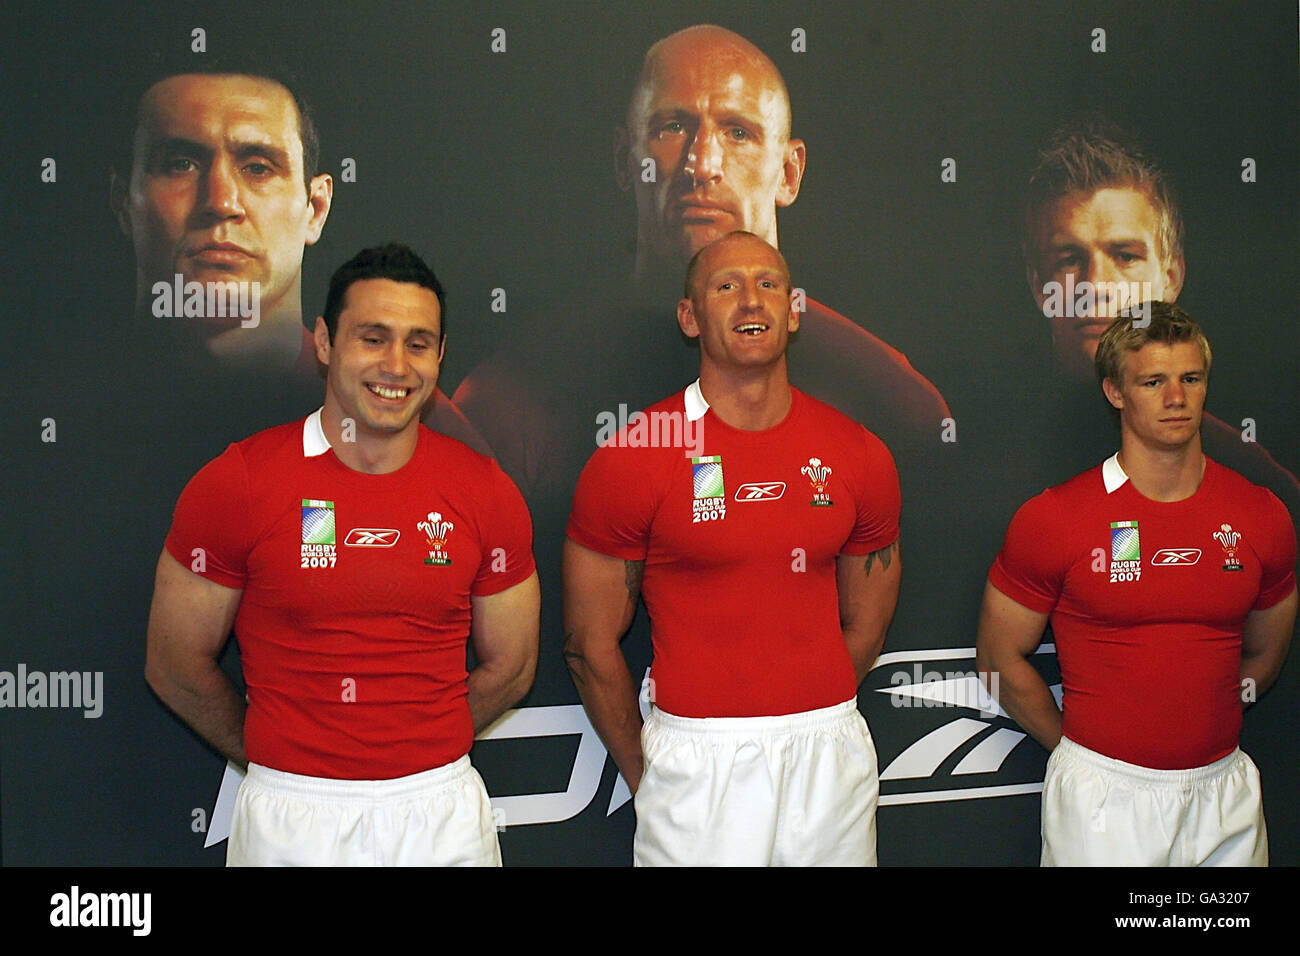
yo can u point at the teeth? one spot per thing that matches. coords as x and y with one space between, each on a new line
755 327
385 392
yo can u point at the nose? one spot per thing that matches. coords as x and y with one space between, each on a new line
749 295
704 158
1175 393
1105 278
221 198
395 362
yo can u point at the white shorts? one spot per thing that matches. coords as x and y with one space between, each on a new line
1098 811
795 790
438 817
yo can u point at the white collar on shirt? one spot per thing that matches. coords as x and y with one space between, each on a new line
1113 474
314 441
696 406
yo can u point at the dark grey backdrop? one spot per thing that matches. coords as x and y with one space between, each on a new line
498 166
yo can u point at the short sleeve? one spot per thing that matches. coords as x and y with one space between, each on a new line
879 500
507 537
614 504
1033 562
1278 555
210 533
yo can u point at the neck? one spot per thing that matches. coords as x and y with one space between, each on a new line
752 401
271 341
1163 474
372 453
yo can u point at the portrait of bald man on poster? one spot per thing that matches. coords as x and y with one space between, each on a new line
705 148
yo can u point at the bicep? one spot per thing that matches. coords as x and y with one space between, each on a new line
505 625
190 617
868 581
1007 626
1270 628
600 592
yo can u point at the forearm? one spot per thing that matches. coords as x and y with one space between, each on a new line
204 697
1258 672
864 643
610 698
494 688
1023 694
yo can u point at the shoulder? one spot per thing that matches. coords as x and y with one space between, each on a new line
1057 506
839 427
1237 488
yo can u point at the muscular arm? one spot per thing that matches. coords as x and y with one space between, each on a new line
189 623
600 595
1008 633
1264 643
868 589
504 629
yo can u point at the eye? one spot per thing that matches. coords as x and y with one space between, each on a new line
418 346
1129 257
726 286
259 169
372 340
178 165
739 133
672 128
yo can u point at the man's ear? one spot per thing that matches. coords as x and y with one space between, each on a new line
1175 273
117 188
1112 393
686 319
320 196
622 158
321 339
793 164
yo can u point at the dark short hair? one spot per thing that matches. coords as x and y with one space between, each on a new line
390 261
1091 153
242 64
1167 325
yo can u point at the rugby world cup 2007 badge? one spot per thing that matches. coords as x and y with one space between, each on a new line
1125 552
709 495
318 543
436 531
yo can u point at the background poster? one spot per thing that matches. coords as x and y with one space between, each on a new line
498 166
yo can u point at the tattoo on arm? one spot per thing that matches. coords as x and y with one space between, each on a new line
632 571
884 555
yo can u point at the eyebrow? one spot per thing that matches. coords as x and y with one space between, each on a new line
382 327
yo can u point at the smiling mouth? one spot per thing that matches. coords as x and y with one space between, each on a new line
751 328
389 392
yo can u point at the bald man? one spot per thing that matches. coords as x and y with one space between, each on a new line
755 753
706 149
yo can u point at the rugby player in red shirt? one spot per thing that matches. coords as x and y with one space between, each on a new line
767 554
354 553
1169 582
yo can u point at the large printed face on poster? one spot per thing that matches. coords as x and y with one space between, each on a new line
491 152
706 147
218 197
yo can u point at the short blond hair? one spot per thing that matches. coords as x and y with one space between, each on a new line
1165 324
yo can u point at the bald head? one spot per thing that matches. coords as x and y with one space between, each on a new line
739 244
706 146
710 47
